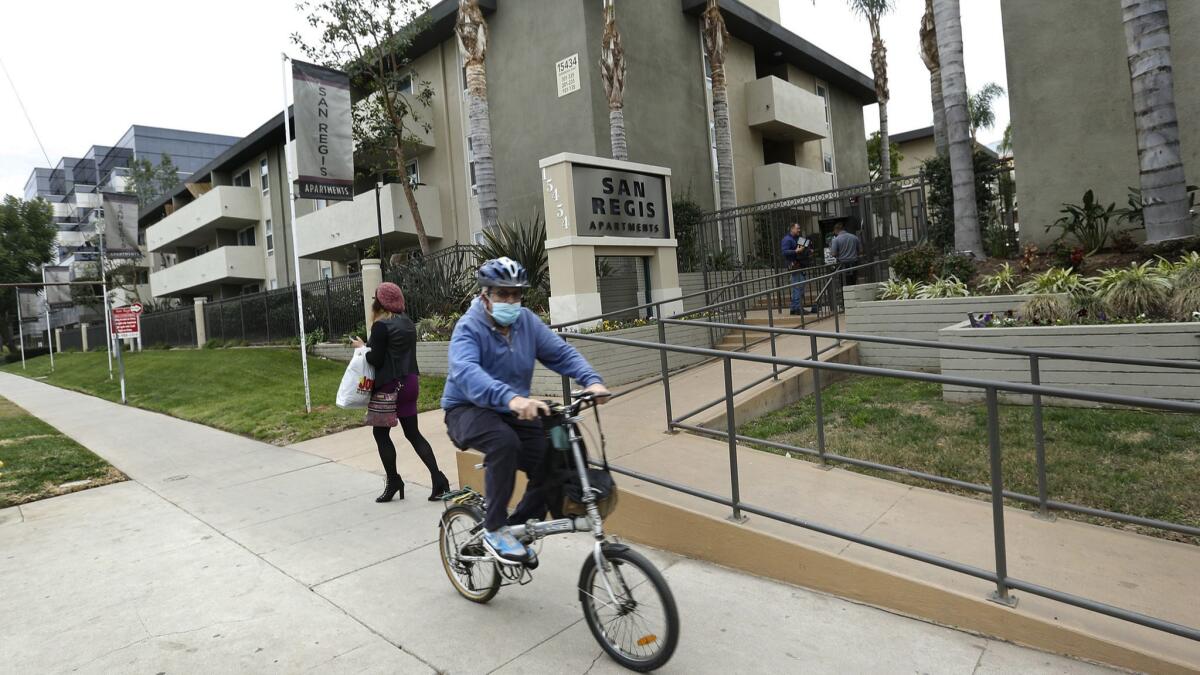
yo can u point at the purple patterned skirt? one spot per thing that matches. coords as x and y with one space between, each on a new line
393 400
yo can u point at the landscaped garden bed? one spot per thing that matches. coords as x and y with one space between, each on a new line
1135 462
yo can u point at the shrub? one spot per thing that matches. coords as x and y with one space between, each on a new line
1029 256
1044 309
947 287
1056 280
1086 222
436 327
958 266
899 289
688 216
1004 279
1185 294
919 263
1135 290
940 202
214 343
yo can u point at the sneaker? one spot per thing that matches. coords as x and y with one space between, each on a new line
504 546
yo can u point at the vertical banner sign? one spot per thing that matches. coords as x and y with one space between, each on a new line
58 296
324 136
120 226
31 304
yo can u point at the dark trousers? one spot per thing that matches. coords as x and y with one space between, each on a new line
508 444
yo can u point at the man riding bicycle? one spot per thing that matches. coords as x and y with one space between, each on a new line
492 355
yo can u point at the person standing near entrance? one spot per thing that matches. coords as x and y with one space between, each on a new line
393 344
847 249
797 253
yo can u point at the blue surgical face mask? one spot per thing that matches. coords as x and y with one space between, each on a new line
505 313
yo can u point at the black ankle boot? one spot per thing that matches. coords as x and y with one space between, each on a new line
441 485
394 486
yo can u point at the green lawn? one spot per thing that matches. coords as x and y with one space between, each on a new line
1135 462
36 461
256 392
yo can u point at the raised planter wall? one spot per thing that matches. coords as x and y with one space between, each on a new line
1174 341
914 320
618 364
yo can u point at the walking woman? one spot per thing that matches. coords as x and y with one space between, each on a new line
393 344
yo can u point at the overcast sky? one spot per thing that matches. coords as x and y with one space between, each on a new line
88 70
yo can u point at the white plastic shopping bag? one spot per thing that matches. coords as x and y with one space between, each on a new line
355 389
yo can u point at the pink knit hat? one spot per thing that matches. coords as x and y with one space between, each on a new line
390 297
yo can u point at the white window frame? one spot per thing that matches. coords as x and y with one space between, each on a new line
274 284
405 86
264 175
468 147
269 237
413 169
828 155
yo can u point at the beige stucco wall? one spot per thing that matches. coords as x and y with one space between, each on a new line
747 143
1071 105
914 153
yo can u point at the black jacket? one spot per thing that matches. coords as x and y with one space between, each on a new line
393 344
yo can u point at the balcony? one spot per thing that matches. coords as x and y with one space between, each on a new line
776 181
334 232
780 109
199 275
223 207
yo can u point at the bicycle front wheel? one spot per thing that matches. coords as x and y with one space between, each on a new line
476 580
641 628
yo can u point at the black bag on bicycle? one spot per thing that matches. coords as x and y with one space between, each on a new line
564 494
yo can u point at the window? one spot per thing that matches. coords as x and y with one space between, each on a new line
274 284
471 165
250 288
270 237
141 238
413 169
246 237
319 204
406 84
263 177
141 276
327 272
242 179
201 250
828 155
828 163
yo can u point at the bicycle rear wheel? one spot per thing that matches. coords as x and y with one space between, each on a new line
475 580
641 630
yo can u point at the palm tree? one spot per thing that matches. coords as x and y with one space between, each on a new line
472 39
1164 188
979 107
612 71
929 54
872 11
716 38
958 126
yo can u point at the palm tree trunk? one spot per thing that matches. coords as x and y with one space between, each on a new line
716 38
1164 186
616 134
929 54
879 70
958 127
612 73
472 38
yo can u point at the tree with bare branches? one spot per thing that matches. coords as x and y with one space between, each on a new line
370 41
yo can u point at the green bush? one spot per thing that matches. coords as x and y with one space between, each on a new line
957 265
1134 291
919 263
214 343
688 215
1087 222
940 200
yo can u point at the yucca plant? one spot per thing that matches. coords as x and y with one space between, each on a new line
1045 308
1131 291
524 242
899 289
1185 293
1004 279
948 287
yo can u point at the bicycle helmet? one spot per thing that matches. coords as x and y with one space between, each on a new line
502 273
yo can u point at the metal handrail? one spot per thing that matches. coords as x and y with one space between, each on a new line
1004 583
840 271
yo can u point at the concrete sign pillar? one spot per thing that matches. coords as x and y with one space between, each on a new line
603 207
58 340
372 276
201 335
83 336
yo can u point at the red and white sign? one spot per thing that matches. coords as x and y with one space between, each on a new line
125 322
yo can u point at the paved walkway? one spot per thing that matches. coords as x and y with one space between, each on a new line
223 554
1144 574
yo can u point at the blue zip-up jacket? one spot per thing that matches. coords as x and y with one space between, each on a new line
489 369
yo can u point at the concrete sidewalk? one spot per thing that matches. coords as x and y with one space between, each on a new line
223 554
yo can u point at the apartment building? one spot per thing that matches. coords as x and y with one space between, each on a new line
917 145
796 115
227 229
1072 104
73 188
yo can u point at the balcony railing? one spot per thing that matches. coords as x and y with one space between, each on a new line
780 109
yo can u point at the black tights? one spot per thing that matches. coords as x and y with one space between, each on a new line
387 449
